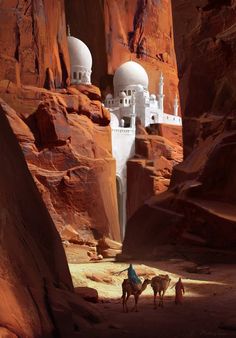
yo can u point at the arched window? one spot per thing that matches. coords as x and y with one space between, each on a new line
129 92
121 101
80 76
74 75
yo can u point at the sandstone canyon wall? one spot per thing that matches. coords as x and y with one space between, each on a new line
37 295
199 208
64 133
33 42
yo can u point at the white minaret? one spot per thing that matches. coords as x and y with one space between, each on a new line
161 93
176 105
133 114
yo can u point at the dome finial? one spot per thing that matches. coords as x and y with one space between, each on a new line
68 30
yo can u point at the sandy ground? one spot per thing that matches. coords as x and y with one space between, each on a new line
210 299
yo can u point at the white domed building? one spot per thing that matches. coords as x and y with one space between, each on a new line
132 99
80 61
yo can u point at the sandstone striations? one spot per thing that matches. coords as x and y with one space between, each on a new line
33 43
65 138
37 295
199 208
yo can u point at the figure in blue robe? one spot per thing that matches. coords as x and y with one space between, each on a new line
132 276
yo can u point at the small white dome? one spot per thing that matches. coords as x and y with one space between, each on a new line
139 88
128 74
79 53
114 121
122 94
109 96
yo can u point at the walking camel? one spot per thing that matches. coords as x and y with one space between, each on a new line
129 289
160 284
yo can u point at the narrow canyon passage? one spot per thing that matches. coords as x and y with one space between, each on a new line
209 300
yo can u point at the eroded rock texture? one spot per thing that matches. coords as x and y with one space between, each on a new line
137 29
37 296
200 206
157 151
65 138
33 42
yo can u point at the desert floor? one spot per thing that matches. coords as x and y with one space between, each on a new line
209 308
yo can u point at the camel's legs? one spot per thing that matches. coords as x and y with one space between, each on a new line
159 304
155 298
123 301
136 302
127 297
162 299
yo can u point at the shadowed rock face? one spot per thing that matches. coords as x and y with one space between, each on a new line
33 42
37 296
199 208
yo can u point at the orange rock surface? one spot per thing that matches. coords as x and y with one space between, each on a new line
66 141
37 295
199 207
33 42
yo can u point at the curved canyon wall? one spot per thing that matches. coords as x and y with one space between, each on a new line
199 208
37 295
64 133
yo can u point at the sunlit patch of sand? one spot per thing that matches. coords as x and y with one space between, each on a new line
100 276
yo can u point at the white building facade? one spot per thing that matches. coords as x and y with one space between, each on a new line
131 100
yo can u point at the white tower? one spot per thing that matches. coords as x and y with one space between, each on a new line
176 105
161 93
133 114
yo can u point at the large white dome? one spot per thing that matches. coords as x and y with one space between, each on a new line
79 53
128 74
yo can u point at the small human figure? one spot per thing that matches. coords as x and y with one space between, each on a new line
132 277
179 292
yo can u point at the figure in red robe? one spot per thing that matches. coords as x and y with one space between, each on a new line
179 292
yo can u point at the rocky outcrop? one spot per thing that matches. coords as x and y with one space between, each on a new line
199 208
139 29
149 172
33 43
66 141
37 295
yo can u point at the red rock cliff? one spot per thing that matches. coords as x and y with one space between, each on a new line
33 42
64 133
199 207
37 296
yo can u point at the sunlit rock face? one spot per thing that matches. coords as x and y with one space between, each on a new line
64 133
37 295
66 139
33 42
199 208
137 29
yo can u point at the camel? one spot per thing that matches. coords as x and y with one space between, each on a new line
128 289
160 284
